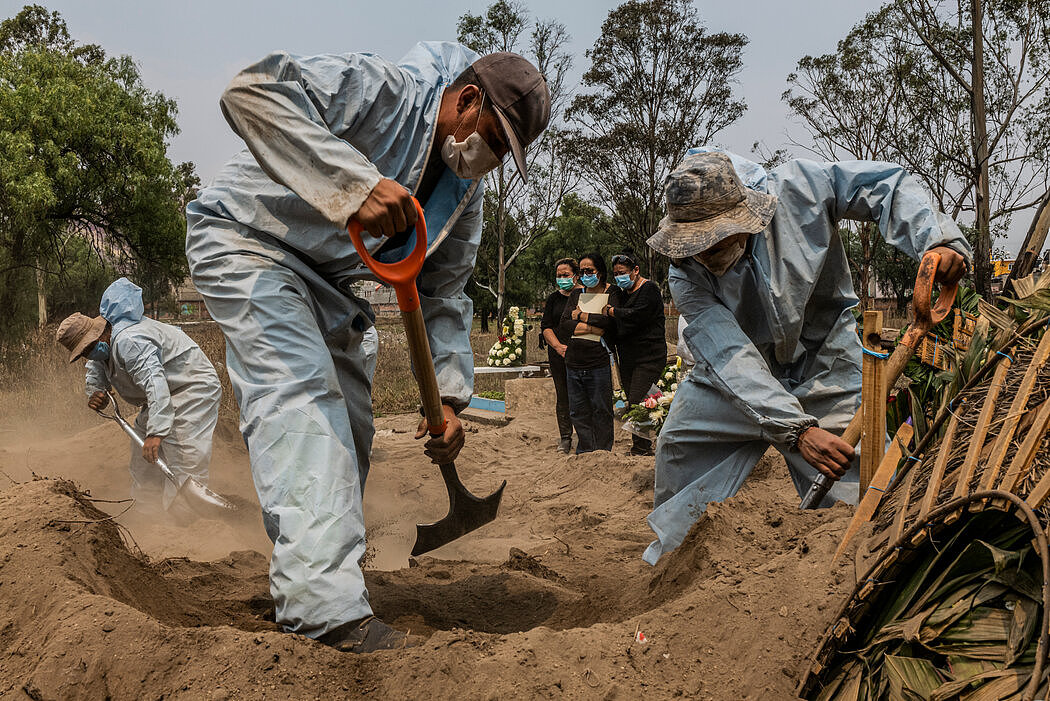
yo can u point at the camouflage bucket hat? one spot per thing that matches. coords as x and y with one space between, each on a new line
706 202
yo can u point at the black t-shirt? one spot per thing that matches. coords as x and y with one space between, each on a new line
552 310
640 330
582 353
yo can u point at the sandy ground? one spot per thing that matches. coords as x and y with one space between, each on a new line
545 602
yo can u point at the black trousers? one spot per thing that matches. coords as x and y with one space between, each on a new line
636 379
561 390
591 407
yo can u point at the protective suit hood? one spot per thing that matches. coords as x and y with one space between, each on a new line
121 305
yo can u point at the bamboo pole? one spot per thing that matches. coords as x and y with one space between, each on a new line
980 432
933 487
1026 453
873 401
902 515
873 495
1017 407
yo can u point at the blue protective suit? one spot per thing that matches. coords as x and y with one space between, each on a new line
774 339
268 250
159 368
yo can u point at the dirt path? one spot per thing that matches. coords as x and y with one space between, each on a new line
545 602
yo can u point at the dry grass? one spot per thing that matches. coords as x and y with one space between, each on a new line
42 393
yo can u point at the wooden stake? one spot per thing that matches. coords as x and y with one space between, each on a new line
873 398
933 488
1017 407
902 515
1026 453
980 433
873 496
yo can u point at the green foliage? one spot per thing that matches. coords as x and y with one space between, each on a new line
931 389
580 227
659 83
83 164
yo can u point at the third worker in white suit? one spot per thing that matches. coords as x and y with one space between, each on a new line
760 274
156 367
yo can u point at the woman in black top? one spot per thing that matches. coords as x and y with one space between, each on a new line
566 276
641 347
588 372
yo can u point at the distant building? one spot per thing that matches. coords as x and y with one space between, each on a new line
381 297
1002 267
190 303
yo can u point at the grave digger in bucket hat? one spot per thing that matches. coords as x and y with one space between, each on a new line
706 203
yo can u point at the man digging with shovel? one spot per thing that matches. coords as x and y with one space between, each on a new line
759 272
334 140
159 368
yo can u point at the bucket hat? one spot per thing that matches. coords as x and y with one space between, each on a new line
77 332
707 202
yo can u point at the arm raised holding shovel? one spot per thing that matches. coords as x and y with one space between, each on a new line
466 511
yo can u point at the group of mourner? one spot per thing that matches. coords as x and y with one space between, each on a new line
757 271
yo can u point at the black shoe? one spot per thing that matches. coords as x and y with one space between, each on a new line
565 445
368 635
643 452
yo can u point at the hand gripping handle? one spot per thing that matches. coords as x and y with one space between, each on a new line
402 277
928 313
402 274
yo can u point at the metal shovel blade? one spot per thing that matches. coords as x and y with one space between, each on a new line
204 501
466 513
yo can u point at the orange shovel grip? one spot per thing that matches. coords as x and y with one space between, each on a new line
927 313
402 274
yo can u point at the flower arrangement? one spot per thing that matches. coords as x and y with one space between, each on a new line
647 419
509 348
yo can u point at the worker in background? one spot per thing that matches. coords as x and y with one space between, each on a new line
759 272
332 138
157 367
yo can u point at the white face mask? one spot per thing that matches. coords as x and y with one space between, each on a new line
472 157
719 263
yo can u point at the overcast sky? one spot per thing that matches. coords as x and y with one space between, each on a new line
190 49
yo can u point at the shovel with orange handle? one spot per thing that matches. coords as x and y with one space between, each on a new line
466 512
927 315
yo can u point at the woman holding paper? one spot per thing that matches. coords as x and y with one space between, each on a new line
588 370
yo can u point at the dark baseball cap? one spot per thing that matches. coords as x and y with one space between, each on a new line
519 96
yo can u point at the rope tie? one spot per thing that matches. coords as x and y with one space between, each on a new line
875 354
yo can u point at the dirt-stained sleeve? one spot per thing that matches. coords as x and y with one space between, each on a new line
292 112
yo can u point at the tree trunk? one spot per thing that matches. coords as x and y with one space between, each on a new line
501 235
1033 244
41 298
983 252
864 275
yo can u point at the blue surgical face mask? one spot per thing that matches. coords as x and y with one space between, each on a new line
589 280
99 353
623 281
565 283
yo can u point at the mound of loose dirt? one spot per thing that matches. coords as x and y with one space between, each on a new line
544 602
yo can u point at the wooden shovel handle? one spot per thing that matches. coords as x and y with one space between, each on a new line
402 277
